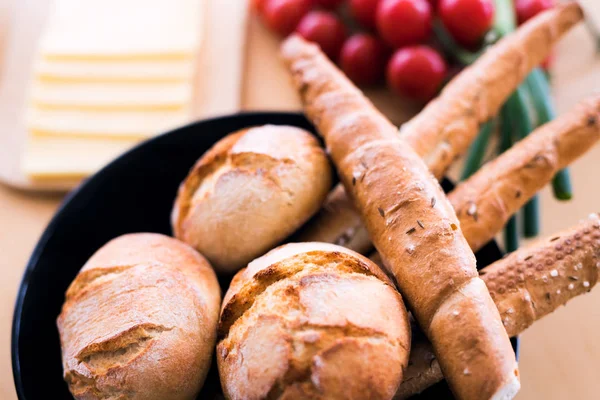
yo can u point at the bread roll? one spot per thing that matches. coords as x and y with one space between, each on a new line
249 192
139 321
312 321
413 226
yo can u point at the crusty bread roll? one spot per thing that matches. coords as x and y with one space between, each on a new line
139 321
413 226
312 321
249 192
527 285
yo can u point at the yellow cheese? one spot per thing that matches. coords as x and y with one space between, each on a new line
69 158
114 71
124 29
114 96
124 124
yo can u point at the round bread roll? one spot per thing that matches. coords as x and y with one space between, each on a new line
249 192
139 321
312 321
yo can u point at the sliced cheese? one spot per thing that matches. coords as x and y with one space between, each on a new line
124 29
114 71
115 96
50 158
122 124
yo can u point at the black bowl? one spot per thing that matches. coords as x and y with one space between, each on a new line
134 193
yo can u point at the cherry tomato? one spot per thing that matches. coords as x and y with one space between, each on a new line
416 72
529 8
330 4
257 5
364 11
282 16
403 22
434 4
325 29
467 20
363 58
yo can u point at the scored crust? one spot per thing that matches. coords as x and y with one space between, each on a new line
250 191
139 299
312 320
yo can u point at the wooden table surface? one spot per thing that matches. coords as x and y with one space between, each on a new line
560 355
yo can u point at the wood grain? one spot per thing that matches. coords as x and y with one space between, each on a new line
560 355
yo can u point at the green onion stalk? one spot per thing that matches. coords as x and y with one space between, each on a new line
511 232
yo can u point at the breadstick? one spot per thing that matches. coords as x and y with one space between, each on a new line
485 201
447 126
527 285
414 227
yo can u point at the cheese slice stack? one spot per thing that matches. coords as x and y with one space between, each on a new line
109 73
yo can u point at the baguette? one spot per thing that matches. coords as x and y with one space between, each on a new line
249 192
526 286
312 321
447 126
139 321
485 201
414 227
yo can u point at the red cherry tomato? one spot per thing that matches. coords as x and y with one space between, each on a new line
257 5
416 72
434 4
363 58
364 11
282 16
404 22
467 20
325 29
330 4
529 8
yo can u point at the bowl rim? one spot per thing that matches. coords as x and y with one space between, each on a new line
50 228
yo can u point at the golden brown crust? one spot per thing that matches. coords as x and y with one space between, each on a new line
438 142
250 191
448 124
486 200
119 318
337 222
426 252
315 321
526 286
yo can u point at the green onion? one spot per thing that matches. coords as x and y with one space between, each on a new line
519 119
477 150
511 233
542 101
505 20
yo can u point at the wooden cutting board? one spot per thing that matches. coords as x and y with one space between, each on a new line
219 82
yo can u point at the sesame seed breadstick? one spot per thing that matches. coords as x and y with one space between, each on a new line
448 125
413 225
486 200
526 286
